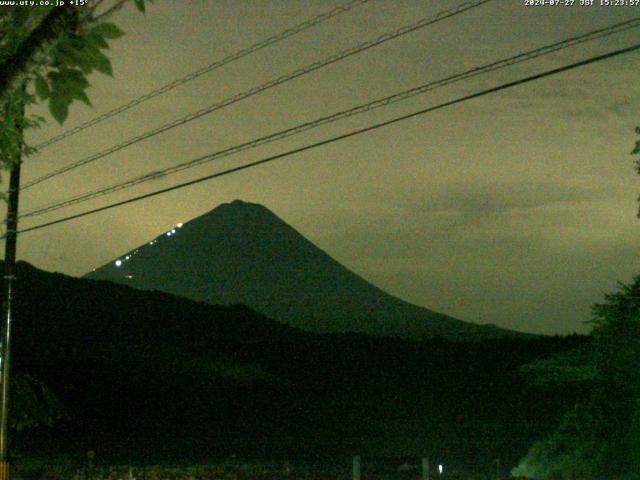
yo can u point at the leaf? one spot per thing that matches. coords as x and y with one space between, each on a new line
75 79
69 84
60 48
140 5
85 63
96 41
80 95
103 64
107 30
42 88
59 108
59 88
70 51
84 58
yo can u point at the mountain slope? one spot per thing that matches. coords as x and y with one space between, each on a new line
243 253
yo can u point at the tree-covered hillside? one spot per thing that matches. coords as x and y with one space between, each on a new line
146 375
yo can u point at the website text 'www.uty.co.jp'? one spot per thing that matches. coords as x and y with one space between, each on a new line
43 3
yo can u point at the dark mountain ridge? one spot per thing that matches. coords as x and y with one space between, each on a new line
148 375
242 253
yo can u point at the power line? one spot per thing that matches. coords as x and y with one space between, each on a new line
353 133
265 86
206 69
397 97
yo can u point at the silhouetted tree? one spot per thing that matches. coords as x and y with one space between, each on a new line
46 54
600 436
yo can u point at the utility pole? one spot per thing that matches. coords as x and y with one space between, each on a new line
9 278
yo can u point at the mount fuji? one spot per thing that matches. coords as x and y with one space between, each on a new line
242 253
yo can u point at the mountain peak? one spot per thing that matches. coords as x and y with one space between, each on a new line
239 209
238 204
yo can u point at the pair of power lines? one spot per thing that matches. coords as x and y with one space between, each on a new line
378 103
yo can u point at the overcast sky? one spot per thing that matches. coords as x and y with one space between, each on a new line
516 209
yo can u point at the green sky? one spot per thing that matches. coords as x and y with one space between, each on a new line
516 209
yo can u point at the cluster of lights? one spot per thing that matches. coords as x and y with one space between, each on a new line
119 262
173 230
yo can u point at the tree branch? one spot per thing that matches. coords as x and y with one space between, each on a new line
16 67
118 5
10 27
